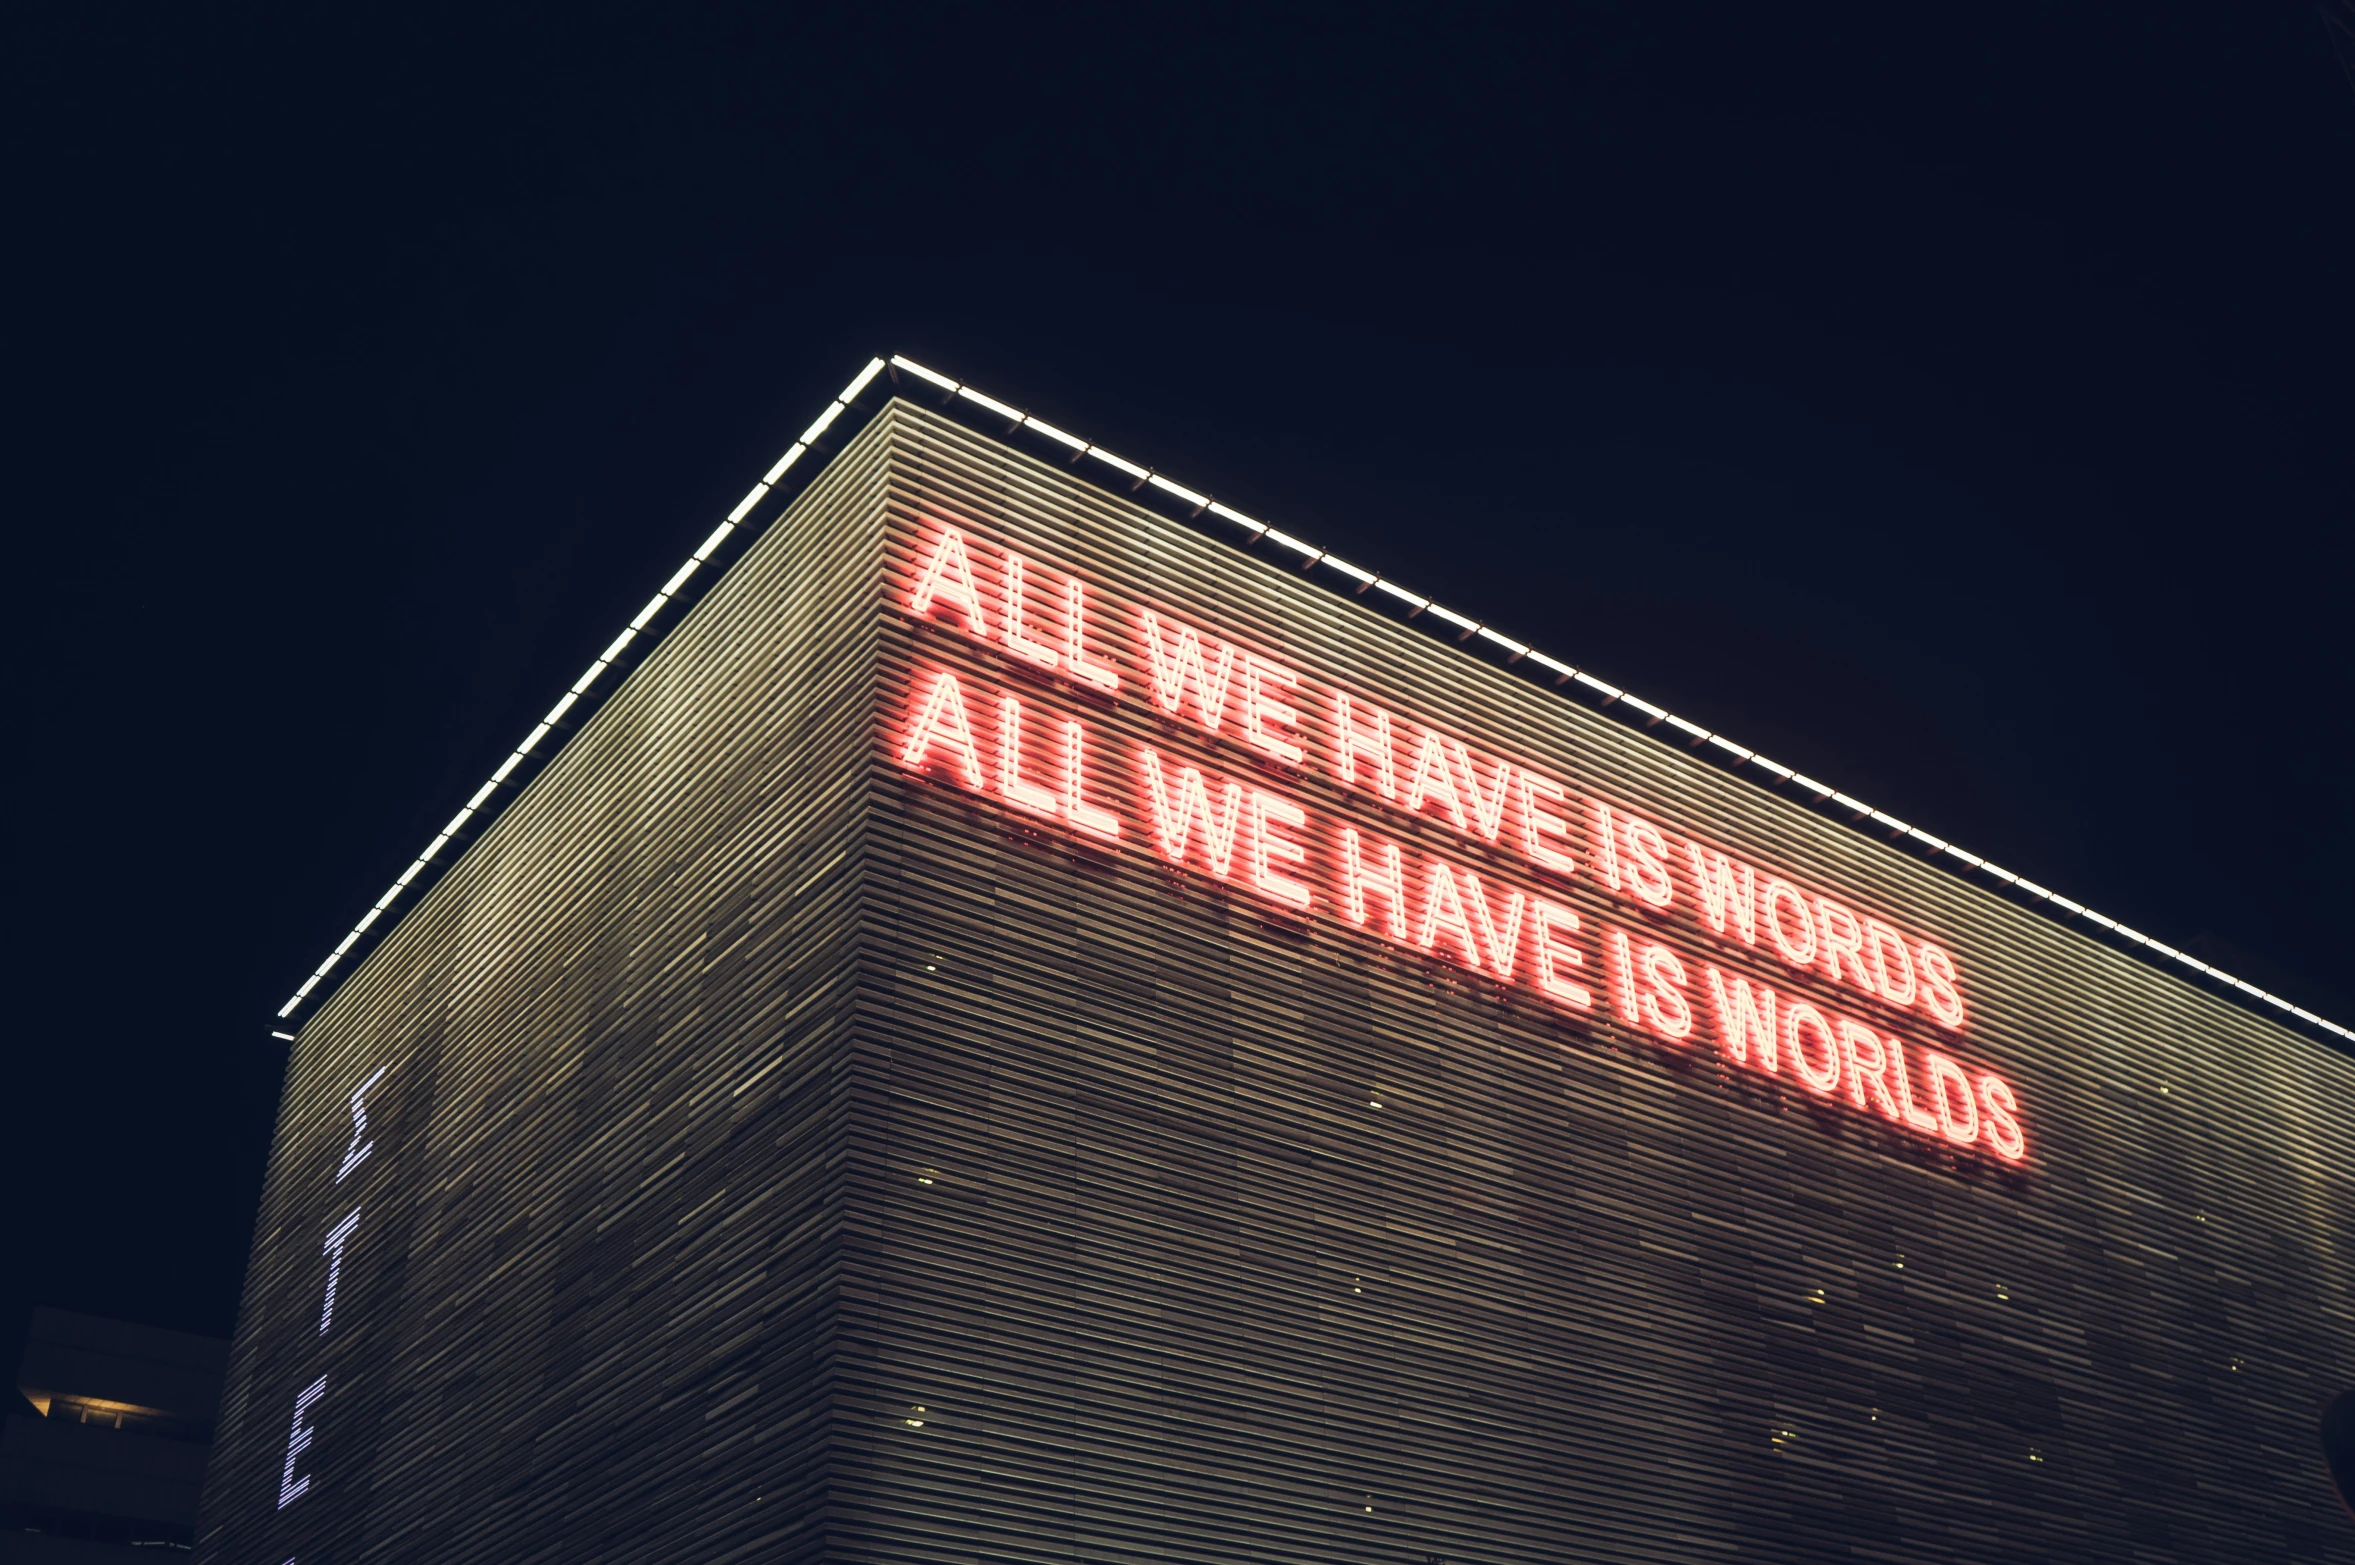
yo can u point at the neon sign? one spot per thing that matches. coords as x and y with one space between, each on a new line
1520 845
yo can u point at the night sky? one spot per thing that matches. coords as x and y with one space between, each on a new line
1955 403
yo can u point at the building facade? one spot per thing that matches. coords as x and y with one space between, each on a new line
105 1453
1023 1028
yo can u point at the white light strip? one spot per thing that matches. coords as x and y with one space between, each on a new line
1415 605
1559 670
1126 466
1197 501
749 501
921 373
1448 616
1052 433
1238 518
531 743
1011 415
809 436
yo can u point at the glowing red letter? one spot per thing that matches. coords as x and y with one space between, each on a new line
1018 638
948 578
1173 821
1800 1016
941 718
1488 809
1951 1087
1546 917
1356 882
1261 709
1740 1020
1892 968
1604 832
1907 1109
2002 1124
1663 1002
1539 823
1352 744
1770 906
1723 892
1501 943
1867 1061
1091 818
1621 963
1841 947
1431 781
1646 869
1940 990
1270 847
1085 668
1443 905
1182 660
1011 783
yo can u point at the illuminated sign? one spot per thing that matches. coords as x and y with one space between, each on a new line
1684 941
292 1484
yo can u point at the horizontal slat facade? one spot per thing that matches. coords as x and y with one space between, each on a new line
784 1155
606 1188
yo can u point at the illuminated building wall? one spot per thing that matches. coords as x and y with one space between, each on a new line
1024 1029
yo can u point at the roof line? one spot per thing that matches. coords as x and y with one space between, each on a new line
1459 628
485 796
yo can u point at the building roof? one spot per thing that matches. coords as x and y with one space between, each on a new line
858 402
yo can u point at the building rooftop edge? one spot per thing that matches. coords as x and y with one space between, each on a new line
789 473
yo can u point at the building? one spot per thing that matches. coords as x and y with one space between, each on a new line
1020 1012
106 1450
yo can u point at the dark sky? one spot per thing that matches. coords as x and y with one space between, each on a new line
1953 402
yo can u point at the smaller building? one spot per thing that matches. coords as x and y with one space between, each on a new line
106 1450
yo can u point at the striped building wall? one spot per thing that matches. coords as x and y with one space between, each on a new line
798 1137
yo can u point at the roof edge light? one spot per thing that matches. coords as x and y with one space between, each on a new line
1461 630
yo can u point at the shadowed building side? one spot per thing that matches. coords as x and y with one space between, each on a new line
107 1450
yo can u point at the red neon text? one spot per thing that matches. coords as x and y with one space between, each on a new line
1207 692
